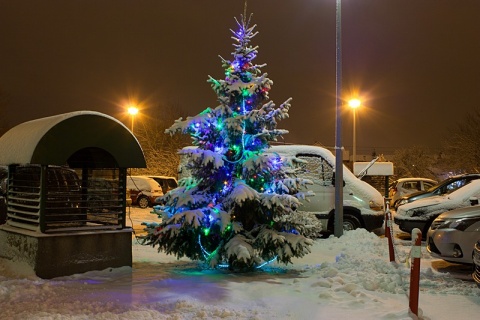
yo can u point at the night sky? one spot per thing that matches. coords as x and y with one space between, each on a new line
414 63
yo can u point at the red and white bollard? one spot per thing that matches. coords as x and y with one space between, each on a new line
415 255
389 232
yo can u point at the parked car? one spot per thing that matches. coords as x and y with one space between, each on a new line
476 263
167 183
362 203
22 195
446 186
143 190
405 186
421 213
103 195
453 234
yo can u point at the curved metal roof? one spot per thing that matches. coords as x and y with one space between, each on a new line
52 140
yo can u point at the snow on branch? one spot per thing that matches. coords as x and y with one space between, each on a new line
239 248
242 192
188 217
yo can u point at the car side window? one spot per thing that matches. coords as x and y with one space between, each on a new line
427 185
316 169
410 185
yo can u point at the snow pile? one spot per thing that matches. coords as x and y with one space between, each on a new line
346 277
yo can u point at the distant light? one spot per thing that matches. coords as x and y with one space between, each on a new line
132 110
354 103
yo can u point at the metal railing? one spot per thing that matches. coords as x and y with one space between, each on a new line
59 199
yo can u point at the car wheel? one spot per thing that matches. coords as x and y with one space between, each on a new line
143 202
350 222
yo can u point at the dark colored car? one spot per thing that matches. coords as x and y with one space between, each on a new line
446 186
421 213
102 194
22 193
476 263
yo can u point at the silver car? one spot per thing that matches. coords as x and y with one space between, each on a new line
453 234
476 263
405 186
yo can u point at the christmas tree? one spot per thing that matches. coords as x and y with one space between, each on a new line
239 207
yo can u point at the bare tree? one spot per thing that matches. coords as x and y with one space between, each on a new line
160 149
462 145
414 162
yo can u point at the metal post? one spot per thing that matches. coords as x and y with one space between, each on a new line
389 231
354 136
415 256
338 226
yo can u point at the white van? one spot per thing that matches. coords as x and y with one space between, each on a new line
362 203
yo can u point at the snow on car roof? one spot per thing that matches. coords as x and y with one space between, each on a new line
361 187
447 201
414 179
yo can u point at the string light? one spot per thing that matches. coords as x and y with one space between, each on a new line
235 134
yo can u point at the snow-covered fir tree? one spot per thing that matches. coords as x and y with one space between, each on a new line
239 207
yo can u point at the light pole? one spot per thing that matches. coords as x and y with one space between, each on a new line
354 104
133 112
338 222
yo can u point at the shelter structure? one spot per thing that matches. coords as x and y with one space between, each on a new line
66 193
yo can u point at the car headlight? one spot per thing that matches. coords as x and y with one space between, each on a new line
458 224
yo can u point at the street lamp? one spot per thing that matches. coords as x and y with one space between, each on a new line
338 222
354 104
133 112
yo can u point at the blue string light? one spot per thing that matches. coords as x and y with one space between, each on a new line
208 255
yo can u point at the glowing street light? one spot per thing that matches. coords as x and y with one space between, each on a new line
354 104
133 112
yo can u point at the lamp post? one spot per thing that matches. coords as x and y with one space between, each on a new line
354 104
338 222
133 112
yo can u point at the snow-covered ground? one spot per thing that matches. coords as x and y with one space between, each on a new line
343 278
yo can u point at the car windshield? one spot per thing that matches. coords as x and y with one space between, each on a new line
433 188
445 184
448 185
455 185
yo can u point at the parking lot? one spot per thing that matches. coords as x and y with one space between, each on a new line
459 271
136 215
